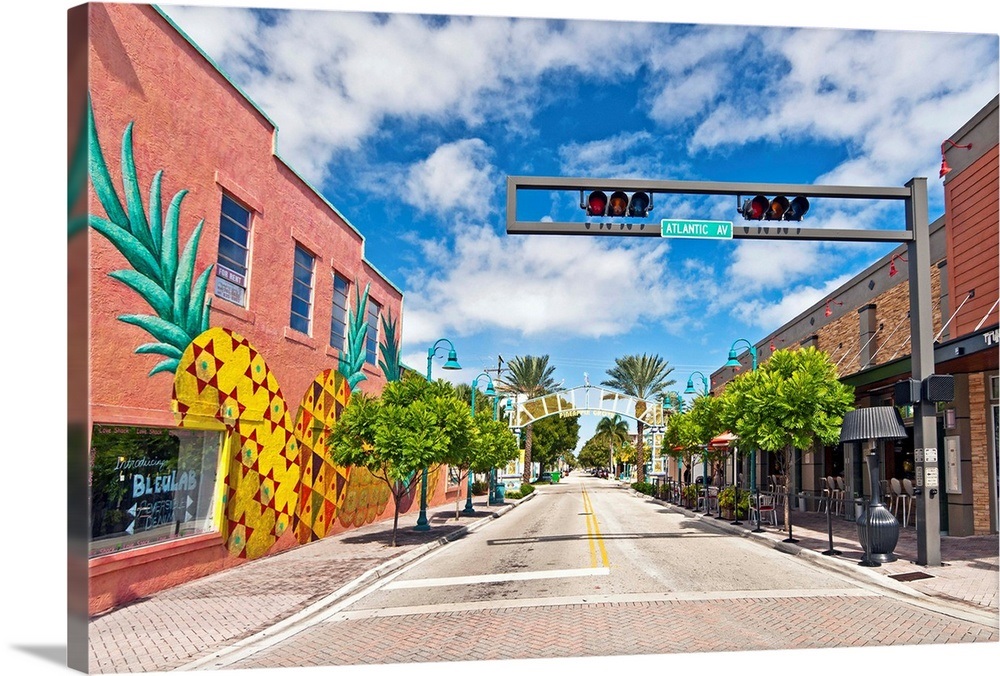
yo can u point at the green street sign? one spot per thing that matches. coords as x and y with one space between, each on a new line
696 229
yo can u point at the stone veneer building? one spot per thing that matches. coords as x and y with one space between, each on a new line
864 327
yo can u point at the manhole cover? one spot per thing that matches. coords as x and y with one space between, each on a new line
910 577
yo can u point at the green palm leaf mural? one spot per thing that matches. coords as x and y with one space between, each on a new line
150 245
352 359
389 348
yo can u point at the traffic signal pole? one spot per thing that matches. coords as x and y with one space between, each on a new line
916 236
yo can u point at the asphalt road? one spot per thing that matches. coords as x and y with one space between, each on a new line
587 569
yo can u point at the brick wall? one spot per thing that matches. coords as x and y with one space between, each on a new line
979 452
841 338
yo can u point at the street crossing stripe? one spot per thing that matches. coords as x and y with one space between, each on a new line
661 597
497 577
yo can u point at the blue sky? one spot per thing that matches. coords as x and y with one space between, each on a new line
410 124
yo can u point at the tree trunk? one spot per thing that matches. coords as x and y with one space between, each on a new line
395 517
526 474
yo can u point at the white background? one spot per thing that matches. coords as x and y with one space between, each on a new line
33 484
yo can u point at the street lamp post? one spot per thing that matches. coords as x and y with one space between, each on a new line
734 362
704 458
490 392
452 365
494 498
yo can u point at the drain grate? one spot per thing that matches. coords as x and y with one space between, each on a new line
910 577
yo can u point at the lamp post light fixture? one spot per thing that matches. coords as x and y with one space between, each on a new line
735 363
704 458
490 392
452 365
495 497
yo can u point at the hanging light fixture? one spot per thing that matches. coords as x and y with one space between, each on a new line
892 264
944 162
828 311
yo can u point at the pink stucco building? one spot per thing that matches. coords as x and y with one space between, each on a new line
282 271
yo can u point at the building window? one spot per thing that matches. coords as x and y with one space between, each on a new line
302 287
234 246
338 319
150 484
371 337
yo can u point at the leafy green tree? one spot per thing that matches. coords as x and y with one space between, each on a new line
611 433
414 424
532 377
643 377
706 423
682 440
791 401
495 444
555 437
594 453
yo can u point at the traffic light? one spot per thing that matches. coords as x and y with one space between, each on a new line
778 209
636 205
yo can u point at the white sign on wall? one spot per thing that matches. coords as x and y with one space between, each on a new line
953 465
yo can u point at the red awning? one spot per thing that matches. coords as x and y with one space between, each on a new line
722 440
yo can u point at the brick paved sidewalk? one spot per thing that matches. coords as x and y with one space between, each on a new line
185 623
969 574
193 621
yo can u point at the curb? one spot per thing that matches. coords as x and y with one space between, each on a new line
861 575
290 625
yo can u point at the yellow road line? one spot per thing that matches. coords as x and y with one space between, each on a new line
594 533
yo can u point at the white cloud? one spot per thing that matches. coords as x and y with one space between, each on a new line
841 86
457 176
767 315
767 264
574 286
330 80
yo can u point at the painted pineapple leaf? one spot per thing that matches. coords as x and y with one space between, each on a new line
165 366
161 329
77 180
194 322
147 288
352 359
159 348
99 176
185 273
129 247
133 200
161 277
390 349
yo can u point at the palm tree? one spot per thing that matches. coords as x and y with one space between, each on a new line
643 377
531 376
614 432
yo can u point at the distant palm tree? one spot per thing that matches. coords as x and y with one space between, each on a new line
613 432
530 376
643 377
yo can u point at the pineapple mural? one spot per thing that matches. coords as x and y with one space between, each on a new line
278 478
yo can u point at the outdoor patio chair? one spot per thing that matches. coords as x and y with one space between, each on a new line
909 498
823 500
709 501
762 509
836 493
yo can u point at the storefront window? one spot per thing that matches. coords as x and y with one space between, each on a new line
149 485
